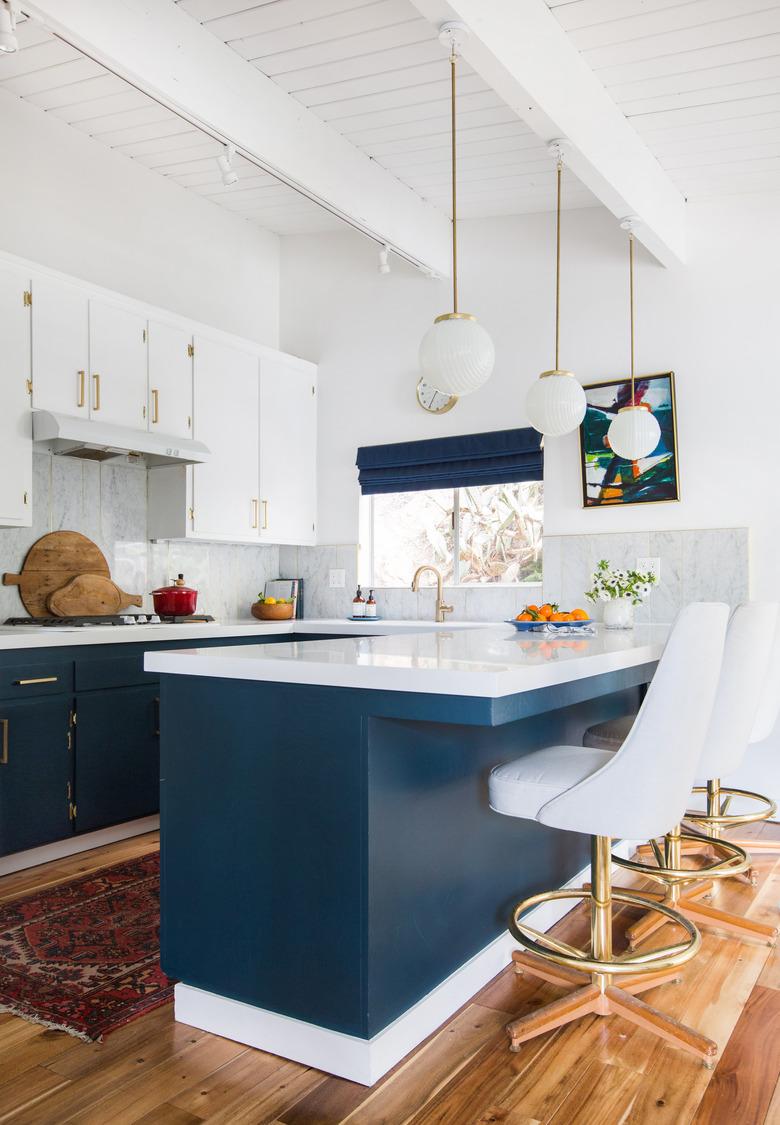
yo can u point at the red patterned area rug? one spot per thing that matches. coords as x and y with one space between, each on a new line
84 956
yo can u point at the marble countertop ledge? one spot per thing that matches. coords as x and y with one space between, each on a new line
487 662
34 636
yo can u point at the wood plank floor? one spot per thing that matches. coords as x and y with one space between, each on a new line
596 1072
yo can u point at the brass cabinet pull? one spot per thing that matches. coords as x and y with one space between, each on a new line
82 376
255 513
37 680
96 404
4 752
155 406
265 516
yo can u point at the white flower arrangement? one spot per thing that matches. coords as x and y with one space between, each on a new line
618 583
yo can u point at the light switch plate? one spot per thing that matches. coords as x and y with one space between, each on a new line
653 564
337 579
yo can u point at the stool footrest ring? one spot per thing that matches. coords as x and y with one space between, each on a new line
735 861
561 953
732 820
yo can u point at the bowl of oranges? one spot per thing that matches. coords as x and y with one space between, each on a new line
550 614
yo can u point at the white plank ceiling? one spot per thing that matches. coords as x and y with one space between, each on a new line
64 83
375 71
699 81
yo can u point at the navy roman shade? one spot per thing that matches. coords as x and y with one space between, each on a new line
451 462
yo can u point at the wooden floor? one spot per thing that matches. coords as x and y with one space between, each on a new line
599 1072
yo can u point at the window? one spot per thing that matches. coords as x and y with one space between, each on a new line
494 532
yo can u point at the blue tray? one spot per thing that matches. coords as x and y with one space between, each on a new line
364 619
527 626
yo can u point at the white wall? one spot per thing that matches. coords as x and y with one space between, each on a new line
713 321
70 203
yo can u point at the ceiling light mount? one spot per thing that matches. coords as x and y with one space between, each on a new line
9 14
452 35
225 165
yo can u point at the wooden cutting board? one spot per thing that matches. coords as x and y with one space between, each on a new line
89 595
51 563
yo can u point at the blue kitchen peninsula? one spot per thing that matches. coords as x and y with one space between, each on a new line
334 884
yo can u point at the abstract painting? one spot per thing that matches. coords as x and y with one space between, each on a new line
608 479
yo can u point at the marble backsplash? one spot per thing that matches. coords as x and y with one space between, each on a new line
107 503
698 565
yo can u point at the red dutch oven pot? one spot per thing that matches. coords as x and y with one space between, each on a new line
175 601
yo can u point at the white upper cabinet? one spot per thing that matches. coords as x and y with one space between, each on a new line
170 379
15 416
118 366
60 347
225 496
288 451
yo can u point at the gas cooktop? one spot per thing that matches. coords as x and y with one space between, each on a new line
119 619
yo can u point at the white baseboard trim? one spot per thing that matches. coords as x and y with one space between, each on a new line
19 861
362 1060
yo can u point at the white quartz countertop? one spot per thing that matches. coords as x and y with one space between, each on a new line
34 636
486 661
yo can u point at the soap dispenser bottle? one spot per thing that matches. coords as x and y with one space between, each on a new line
359 604
371 604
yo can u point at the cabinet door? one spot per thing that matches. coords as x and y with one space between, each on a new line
117 756
288 453
15 415
225 494
60 347
170 379
35 771
117 352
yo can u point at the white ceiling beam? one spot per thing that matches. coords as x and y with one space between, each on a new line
164 52
522 52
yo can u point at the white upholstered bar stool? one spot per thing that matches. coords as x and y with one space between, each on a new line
750 640
718 818
639 791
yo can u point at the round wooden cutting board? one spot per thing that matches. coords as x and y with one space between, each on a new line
51 563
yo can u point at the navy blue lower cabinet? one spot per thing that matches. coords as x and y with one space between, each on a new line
117 756
35 773
329 853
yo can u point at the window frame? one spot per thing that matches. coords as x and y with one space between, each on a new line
366 556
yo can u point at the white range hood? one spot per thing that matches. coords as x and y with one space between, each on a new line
97 441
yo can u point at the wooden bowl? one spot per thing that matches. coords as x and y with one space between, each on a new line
276 612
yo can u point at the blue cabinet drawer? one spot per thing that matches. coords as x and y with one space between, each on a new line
109 671
44 677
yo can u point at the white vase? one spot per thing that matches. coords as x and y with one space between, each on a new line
619 614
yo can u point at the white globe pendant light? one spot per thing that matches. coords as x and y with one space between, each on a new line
634 432
456 353
555 404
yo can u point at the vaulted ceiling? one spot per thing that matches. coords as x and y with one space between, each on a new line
697 81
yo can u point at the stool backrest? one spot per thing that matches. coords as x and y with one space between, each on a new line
644 789
746 656
769 703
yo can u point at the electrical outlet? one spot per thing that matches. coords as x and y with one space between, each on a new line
337 579
653 564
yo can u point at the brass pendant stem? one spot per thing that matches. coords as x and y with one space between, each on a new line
453 64
558 269
631 305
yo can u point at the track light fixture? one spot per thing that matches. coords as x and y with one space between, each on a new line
225 165
384 263
9 14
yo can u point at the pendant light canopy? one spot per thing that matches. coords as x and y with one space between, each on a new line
555 404
456 353
634 432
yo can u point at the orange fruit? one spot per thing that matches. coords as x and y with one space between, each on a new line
532 609
524 617
560 617
579 615
546 611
